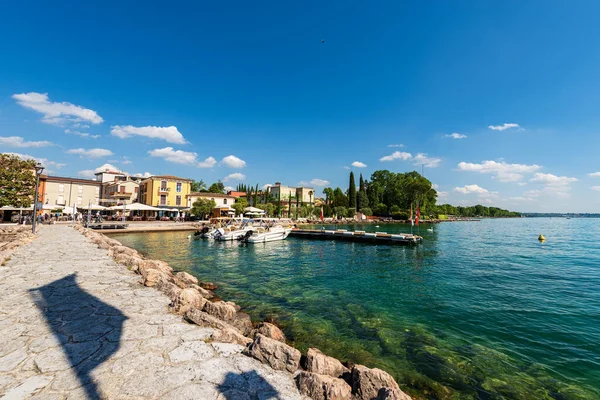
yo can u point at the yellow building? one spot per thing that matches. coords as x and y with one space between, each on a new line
165 191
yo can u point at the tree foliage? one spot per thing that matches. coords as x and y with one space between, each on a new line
203 207
217 187
400 190
198 186
17 181
352 192
475 211
239 205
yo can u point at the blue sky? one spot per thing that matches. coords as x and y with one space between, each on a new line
178 88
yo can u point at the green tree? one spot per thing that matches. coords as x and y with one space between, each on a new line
203 207
217 187
350 213
380 209
366 211
239 205
328 192
362 199
340 211
198 186
339 198
352 192
17 181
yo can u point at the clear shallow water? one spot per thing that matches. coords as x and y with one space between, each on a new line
481 310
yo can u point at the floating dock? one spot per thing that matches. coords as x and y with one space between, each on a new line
357 236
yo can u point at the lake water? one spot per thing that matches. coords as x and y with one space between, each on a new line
480 310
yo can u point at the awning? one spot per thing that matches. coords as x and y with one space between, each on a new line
11 208
94 207
135 207
253 211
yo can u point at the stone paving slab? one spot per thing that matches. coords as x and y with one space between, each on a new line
76 325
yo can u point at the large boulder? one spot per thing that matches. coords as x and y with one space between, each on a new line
322 387
207 285
231 335
146 265
220 309
392 394
125 250
187 299
366 382
242 322
201 318
130 262
155 277
278 355
319 363
269 330
185 279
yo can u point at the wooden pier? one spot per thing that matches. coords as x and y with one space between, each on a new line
357 236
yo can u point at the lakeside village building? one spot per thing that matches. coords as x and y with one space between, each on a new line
111 188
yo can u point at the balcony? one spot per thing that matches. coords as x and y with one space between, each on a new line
120 194
164 190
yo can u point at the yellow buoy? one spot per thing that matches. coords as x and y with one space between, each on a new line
541 238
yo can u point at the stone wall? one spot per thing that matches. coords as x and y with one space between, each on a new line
11 237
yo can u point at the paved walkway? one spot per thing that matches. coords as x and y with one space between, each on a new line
76 325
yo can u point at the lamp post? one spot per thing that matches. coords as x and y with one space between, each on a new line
38 171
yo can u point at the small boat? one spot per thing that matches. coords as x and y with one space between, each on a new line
231 233
430 229
266 234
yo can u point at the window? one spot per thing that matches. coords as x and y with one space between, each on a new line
135 190
224 201
61 199
80 189
178 189
163 185
177 200
79 199
122 189
61 188
163 199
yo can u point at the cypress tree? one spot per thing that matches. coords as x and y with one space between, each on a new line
352 192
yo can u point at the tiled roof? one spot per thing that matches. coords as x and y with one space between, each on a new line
206 194
169 177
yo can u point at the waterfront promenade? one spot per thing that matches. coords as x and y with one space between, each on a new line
74 324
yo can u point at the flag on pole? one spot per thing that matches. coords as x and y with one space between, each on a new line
322 214
411 215
418 215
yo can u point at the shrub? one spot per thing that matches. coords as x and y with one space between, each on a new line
380 209
366 211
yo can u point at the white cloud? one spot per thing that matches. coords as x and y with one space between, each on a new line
442 194
501 170
594 175
503 127
144 175
397 155
520 198
229 188
319 182
17 141
347 167
91 153
456 136
82 134
125 162
168 133
182 157
208 163
429 162
233 162
56 113
303 183
435 186
91 173
468 189
522 183
236 176
552 180
44 161
266 186
359 164
596 188
395 145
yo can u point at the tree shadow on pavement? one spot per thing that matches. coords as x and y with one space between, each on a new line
246 386
88 329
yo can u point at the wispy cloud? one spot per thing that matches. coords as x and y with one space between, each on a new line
182 157
397 155
503 127
456 136
596 188
468 189
91 153
167 133
552 180
91 173
358 164
395 145
17 141
82 134
502 171
236 176
319 182
56 113
233 162
144 175
49 165
594 174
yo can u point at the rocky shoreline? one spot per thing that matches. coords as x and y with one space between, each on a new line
11 237
317 375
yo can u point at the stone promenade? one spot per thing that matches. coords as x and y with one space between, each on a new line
74 324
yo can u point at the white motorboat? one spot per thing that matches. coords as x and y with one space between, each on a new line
267 234
232 233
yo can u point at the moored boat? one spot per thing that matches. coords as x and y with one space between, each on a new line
267 234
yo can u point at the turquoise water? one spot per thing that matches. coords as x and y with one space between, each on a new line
481 310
